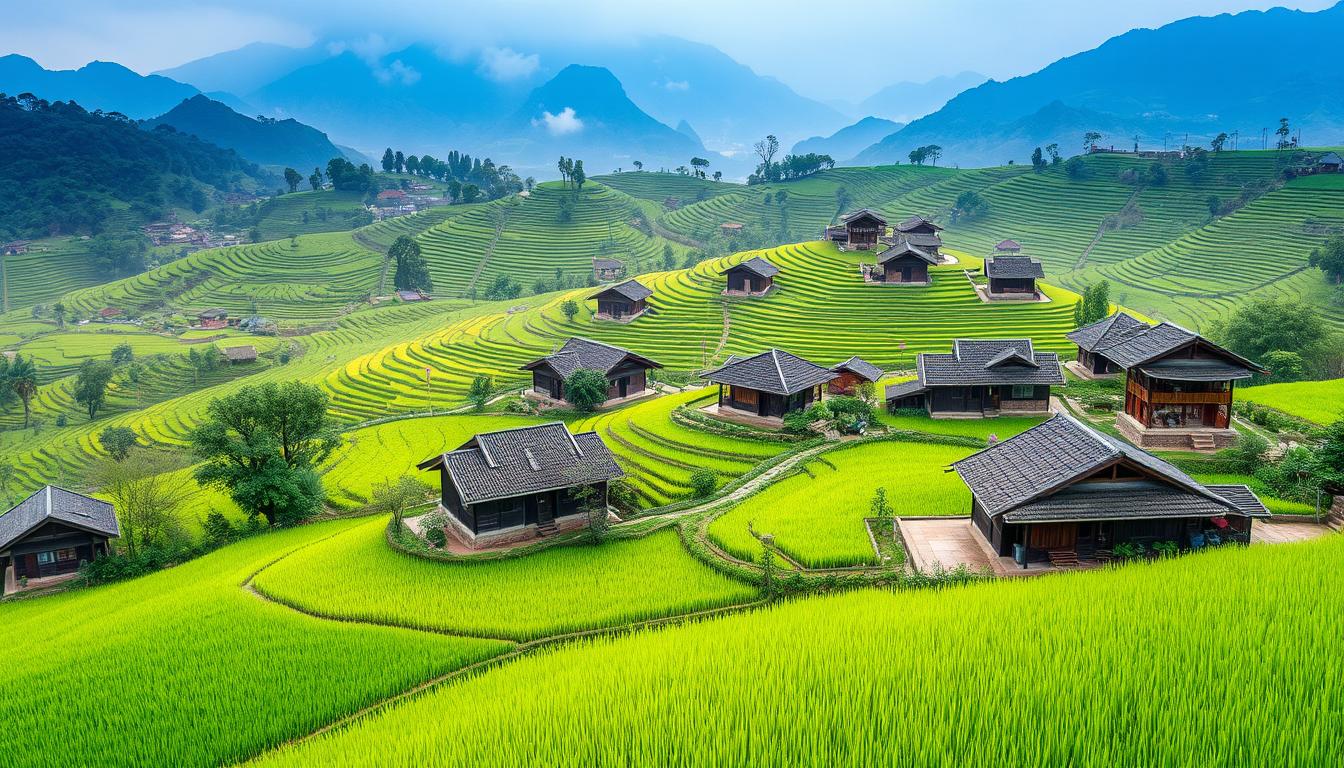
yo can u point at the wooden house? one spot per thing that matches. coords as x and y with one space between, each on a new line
1178 384
627 373
753 277
1063 492
241 354
980 377
51 532
1330 162
212 319
850 374
768 384
1007 248
517 484
412 296
14 248
622 302
858 229
390 198
903 264
1013 277
730 228
608 269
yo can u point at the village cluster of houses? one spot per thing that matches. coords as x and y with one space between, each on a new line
390 203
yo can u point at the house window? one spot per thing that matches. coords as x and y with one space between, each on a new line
66 554
1024 392
46 558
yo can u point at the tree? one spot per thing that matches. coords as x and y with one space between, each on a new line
969 205
585 389
202 361
703 482
570 308
394 497
1094 305
1282 132
1263 325
639 166
1330 459
1037 160
699 164
1218 142
669 258
262 444
470 193
117 441
149 493
1283 365
933 152
413 164
1076 168
718 175
529 183
58 313
879 507
398 161
21 377
293 178
578 176
389 162
412 273
1157 174
917 155
1090 138
7 473
1053 151
478 394
1215 205
766 149
315 180
1330 258
91 385
122 354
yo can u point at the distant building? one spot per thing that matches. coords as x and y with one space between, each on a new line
623 302
391 197
1013 277
243 354
15 248
1330 162
626 372
412 295
1008 247
608 269
903 264
517 484
51 532
107 313
850 374
858 229
921 233
753 277
212 319
730 228
980 377
768 384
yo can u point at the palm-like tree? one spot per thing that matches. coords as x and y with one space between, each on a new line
22 376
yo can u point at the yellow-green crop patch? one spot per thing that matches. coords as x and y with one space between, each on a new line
562 589
1319 401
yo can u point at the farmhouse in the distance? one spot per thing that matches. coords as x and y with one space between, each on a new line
753 277
1012 277
902 264
852 373
622 302
607 269
981 377
858 229
47 535
516 484
1063 492
627 373
767 385
1178 385
1007 248
921 233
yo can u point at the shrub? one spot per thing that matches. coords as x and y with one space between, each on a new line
585 389
703 482
1248 453
432 525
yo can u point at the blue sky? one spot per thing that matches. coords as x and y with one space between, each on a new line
805 44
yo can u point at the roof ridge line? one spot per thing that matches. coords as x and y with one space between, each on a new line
774 355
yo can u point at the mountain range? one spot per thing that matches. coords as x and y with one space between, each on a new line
266 141
850 140
96 85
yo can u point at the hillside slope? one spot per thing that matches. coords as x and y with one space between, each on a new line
97 85
265 141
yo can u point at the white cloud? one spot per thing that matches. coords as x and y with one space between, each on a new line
563 124
407 75
677 85
501 64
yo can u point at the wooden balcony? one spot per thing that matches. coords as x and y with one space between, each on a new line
1158 397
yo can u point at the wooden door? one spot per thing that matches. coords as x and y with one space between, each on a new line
545 509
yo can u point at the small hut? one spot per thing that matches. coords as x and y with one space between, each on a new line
622 302
753 277
852 373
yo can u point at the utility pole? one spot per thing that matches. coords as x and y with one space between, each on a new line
1264 138
4 279
1236 136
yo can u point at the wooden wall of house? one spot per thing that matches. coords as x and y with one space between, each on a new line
906 269
1012 285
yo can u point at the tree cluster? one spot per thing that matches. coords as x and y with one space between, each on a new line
1286 335
412 273
572 173
929 153
970 205
1095 304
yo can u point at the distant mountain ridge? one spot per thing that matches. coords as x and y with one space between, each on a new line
908 101
269 142
96 85
850 140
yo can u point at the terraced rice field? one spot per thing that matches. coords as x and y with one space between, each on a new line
555 591
256 674
657 187
524 238
283 216
1321 402
51 268
872 677
816 517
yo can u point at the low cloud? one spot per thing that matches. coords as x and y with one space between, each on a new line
677 85
503 64
563 124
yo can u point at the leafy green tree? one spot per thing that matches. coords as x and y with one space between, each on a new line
1284 365
585 389
1076 168
412 273
58 313
969 205
1052 150
1283 132
1157 174
578 176
669 258
122 354
21 379
394 497
1330 459
117 441
1094 305
91 385
399 161
7 473
315 180
1218 141
293 178
482 387
1037 160
413 164
699 164
1090 138
880 507
703 482
1330 258
149 493
1215 205
470 193
263 444
389 161
639 166
570 308
1263 325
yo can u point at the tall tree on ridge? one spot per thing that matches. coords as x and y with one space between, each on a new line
389 160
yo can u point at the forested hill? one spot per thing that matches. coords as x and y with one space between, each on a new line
261 140
74 171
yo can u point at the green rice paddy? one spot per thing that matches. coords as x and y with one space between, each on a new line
1321 402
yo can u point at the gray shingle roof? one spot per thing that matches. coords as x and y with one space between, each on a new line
515 462
848 217
213 314
1050 457
578 352
1013 267
1008 245
630 290
1116 501
607 264
1243 497
1106 331
52 503
241 354
773 370
904 389
755 265
905 249
1196 370
859 366
922 239
913 222
1130 343
1330 158
989 362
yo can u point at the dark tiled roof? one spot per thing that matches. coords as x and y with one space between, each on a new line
922 239
989 362
1106 331
773 370
1116 501
1196 370
52 503
756 265
630 290
211 314
1053 455
905 389
1008 245
241 354
905 249
607 264
860 366
1243 498
848 217
1013 267
578 352
1330 158
1130 343
913 222
515 462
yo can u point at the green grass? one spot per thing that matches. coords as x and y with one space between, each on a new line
1002 427
306 213
186 668
559 590
51 267
1141 665
1321 402
817 519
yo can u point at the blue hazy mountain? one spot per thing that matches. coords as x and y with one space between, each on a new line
906 101
96 85
850 140
265 141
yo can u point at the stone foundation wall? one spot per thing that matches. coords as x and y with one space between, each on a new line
1171 439
528 532
1024 406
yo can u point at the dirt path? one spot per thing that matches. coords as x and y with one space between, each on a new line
1101 230
500 224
